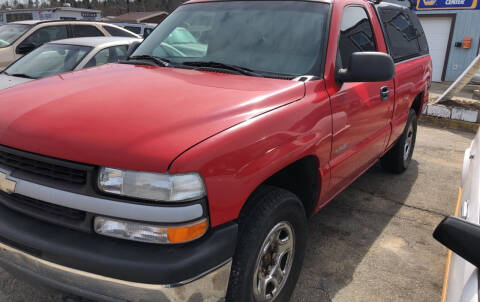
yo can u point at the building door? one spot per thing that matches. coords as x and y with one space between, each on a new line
437 31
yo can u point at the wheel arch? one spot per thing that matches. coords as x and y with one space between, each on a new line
301 177
417 104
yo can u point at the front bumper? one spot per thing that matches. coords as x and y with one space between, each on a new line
211 286
108 269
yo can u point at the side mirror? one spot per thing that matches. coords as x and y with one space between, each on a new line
132 47
461 236
25 48
367 67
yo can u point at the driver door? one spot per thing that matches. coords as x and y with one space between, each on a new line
361 116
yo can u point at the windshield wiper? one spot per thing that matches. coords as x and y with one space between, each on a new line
219 65
20 75
156 60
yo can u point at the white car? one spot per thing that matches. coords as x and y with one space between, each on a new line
142 29
461 234
65 55
19 38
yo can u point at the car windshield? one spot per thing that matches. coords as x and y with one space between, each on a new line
11 32
266 37
47 60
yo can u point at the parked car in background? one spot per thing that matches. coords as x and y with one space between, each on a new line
461 234
142 29
65 55
188 173
19 38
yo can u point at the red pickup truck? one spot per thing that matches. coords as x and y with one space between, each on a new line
187 173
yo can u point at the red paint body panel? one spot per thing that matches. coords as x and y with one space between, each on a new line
411 78
236 161
132 117
237 131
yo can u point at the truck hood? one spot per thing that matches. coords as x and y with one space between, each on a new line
132 117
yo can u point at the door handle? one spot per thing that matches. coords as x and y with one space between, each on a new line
384 93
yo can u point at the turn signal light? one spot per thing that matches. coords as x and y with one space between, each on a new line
137 231
187 233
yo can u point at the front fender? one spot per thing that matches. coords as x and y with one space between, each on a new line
236 161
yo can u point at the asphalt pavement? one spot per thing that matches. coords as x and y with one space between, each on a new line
371 243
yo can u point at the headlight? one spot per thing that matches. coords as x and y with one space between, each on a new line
151 186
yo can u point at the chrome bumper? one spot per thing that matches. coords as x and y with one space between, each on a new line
210 286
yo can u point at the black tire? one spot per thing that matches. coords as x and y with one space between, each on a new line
397 160
271 207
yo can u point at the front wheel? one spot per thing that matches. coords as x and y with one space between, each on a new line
398 158
270 249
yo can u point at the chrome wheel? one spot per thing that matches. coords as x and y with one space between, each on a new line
408 143
274 262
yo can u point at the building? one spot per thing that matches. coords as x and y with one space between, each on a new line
56 13
140 17
452 28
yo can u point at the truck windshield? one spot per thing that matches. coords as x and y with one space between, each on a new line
11 32
270 38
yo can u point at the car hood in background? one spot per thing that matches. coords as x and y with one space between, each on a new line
133 117
9 81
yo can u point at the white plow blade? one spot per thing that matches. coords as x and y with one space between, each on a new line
462 80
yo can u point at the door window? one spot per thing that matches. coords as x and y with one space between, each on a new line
47 34
134 29
402 35
108 55
117 32
422 40
356 35
86 31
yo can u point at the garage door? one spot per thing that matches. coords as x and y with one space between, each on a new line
437 30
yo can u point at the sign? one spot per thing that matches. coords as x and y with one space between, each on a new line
446 4
93 14
467 43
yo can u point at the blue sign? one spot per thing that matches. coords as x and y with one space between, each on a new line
446 4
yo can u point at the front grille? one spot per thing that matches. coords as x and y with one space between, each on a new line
44 207
44 168
45 211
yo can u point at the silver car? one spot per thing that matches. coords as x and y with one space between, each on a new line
461 234
65 55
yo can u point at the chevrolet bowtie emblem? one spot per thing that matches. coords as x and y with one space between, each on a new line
6 185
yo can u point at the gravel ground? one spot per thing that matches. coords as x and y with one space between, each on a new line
373 242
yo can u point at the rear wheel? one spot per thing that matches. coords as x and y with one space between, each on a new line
270 249
398 158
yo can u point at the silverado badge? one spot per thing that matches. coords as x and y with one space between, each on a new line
6 185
